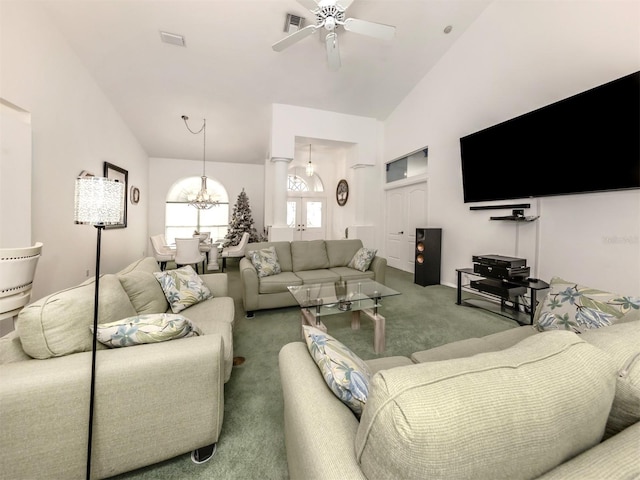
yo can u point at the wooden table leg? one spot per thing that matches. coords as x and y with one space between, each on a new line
355 320
379 330
308 318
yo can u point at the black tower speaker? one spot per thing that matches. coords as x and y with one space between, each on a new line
427 256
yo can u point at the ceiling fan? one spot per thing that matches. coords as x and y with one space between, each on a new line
330 14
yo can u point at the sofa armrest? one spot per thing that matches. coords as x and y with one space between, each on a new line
319 429
153 402
250 285
218 283
379 268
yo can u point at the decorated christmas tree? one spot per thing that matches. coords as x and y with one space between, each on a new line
241 221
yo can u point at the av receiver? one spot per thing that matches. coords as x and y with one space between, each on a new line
501 272
500 261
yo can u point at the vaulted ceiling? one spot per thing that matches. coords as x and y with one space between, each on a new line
228 73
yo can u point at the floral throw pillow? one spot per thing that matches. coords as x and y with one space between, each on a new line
141 329
182 287
346 374
362 259
574 307
265 261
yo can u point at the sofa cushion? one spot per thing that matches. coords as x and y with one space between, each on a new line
59 324
141 329
317 276
265 261
577 308
309 255
516 413
622 342
146 264
350 274
278 283
471 346
144 291
346 374
340 252
362 259
283 250
617 458
182 287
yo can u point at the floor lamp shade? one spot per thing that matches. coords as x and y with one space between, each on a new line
98 201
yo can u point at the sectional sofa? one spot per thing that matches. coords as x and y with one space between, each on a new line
153 401
518 404
302 262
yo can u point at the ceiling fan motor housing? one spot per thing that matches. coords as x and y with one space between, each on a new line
329 16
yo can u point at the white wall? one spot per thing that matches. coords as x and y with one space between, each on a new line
519 56
164 172
15 176
74 128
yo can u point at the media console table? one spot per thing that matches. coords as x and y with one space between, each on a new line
511 300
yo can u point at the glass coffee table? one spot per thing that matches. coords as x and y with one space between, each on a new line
355 296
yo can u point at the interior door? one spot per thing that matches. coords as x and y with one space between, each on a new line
307 216
406 209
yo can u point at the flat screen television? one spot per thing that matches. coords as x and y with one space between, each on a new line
589 142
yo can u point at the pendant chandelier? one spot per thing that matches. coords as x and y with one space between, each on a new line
309 169
203 200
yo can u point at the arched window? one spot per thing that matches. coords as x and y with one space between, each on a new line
181 219
298 181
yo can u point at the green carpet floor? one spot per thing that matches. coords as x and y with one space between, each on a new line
251 444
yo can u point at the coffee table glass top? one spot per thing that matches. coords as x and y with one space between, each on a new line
340 297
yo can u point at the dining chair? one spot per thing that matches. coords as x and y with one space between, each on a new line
188 253
234 251
17 269
161 252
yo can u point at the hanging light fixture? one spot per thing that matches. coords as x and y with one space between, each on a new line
309 169
203 200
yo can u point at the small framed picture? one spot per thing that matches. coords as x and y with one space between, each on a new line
121 175
135 195
342 192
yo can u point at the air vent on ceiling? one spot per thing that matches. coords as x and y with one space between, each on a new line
293 23
172 38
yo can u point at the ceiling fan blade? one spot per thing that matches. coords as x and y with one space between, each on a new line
309 4
293 38
333 54
377 30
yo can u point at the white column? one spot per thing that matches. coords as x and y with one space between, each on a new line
280 230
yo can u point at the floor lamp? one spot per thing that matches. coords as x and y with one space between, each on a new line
99 202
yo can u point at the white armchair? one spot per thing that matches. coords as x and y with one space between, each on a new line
234 251
188 253
17 269
161 252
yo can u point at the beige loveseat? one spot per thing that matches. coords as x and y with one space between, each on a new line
153 401
302 262
518 404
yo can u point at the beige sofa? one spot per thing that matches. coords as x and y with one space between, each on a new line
518 404
153 401
302 262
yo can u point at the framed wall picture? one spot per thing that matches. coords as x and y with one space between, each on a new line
135 195
342 192
121 175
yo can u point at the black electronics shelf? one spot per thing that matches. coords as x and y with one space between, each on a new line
517 218
514 298
517 215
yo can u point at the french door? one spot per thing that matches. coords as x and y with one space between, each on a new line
307 216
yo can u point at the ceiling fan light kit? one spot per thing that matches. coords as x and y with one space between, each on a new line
330 15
